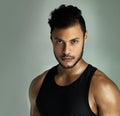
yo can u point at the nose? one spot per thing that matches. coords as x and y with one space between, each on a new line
66 48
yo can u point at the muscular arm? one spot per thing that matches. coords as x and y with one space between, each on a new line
107 97
33 92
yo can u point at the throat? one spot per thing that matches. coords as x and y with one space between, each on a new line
65 81
67 77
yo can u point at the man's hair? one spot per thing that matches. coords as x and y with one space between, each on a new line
66 16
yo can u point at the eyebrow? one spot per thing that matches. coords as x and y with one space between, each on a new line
76 38
57 38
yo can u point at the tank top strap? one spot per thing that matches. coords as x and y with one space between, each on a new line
90 72
50 75
88 77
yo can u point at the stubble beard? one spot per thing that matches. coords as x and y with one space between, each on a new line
79 58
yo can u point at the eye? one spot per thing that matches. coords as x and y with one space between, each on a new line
74 41
58 41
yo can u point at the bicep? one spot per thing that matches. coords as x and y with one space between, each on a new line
33 92
32 97
34 111
33 108
108 100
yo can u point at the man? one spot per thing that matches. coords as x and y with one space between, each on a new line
73 87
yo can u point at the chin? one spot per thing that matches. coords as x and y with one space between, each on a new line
67 66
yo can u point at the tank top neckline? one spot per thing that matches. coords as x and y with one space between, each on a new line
71 84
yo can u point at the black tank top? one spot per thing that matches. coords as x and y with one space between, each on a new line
71 100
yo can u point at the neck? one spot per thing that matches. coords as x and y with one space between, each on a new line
77 69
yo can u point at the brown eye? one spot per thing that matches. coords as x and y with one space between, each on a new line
59 41
74 41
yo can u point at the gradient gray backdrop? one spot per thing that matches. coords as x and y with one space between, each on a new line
26 51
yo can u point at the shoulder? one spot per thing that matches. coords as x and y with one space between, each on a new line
102 81
105 92
35 86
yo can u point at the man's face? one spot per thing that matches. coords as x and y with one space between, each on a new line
68 45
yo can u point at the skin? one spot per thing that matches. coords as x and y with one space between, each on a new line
104 95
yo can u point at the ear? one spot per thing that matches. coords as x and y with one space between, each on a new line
86 36
51 38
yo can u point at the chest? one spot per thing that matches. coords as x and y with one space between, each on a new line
71 100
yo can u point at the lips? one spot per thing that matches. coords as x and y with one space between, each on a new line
67 59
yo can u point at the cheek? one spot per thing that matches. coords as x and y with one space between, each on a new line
57 49
77 48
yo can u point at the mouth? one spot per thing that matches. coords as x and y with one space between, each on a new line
67 59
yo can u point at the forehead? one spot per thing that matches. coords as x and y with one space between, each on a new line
73 31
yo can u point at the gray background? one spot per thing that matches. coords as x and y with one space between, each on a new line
26 51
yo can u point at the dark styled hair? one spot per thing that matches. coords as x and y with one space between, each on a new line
65 16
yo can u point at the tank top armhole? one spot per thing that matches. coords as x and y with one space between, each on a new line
47 78
92 70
